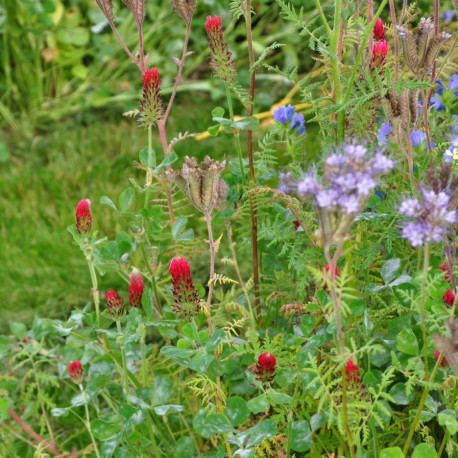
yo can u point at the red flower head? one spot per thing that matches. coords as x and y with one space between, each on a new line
220 56
297 225
336 270
151 109
265 368
76 372
83 217
444 362
352 370
449 297
445 267
379 33
115 305
136 288
186 297
379 53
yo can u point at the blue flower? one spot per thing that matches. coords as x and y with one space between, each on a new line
286 115
454 126
417 137
380 194
436 102
383 132
448 16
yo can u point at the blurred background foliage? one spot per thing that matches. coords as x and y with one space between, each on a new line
64 84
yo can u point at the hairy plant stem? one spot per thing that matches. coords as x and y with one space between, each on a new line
422 306
88 420
212 271
123 359
396 41
151 164
420 406
335 67
239 275
236 132
254 221
95 287
370 15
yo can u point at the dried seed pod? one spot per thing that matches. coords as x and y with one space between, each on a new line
409 47
433 50
200 183
184 8
386 104
107 8
423 35
404 107
413 105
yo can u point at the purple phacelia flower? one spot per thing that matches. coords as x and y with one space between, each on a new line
417 137
383 132
350 176
286 182
286 115
428 218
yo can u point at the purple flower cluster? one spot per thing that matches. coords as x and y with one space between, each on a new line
286 180
428 218
350 177
286 115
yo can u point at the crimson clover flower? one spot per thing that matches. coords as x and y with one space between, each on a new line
446 268
186 304
286 115
444 362
136 288
378 31
115 305
84 217
151 109
265 367
449 297
327 267
379 53
427 218
75 371
220 57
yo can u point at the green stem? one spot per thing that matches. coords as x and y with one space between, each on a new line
88 420
447 434
420 406
290 434
124 363
142 329
335 65
236 132
153 279
95 287
152 436
422 308
323 19
362 48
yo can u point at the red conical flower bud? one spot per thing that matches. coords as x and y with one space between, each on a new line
83 217
220 56
136 288
186 298
115 305
265 367
76 372
379 33
449 297
445 267
352 370
151 109
379 53
444 362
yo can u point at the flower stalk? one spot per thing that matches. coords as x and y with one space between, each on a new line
123 358
88 420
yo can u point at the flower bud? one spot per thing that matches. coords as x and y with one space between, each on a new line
379 33
76 372
449 297
352 370
83 217
115 305
379 53
220 56
265 368
444 362
151 109
336 270
136 288
186 304
445 267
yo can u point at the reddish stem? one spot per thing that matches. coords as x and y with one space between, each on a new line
396 40
369 20
51 446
